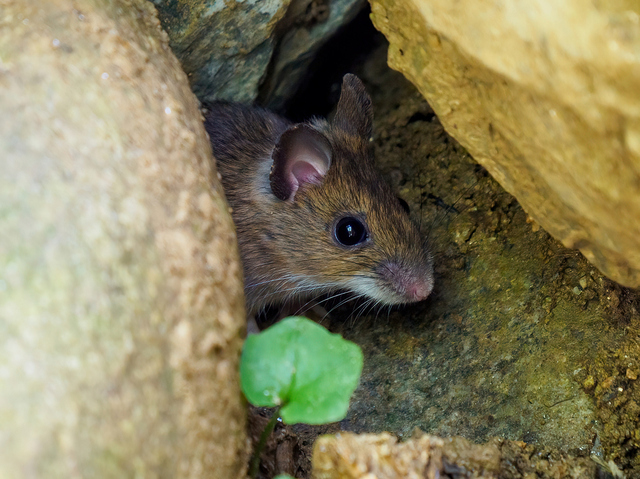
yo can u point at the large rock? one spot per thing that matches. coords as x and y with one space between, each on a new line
121 311
228 48
545 96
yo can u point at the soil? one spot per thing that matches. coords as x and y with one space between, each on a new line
522 339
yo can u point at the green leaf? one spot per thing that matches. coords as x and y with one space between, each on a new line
283 476
299 365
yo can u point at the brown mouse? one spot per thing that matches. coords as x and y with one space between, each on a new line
313 216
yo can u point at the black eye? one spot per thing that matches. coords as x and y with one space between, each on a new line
350 231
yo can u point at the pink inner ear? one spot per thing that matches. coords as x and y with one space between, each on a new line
307 173
303 172
302 156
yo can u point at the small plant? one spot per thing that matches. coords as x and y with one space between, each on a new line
303 370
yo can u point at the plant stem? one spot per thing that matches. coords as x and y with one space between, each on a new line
268 429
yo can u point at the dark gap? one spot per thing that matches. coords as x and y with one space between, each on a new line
319 90
419 116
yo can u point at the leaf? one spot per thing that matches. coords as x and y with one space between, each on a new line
299 365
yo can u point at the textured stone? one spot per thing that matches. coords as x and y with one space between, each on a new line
224 46
121 308
545 96
382 456
228 48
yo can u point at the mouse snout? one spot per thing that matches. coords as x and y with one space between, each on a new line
410 284
419 289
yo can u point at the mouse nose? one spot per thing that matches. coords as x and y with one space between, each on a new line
419 289
412 284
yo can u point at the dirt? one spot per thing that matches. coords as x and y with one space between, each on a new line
521 339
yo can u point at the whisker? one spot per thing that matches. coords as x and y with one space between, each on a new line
343 302
355 313
302 308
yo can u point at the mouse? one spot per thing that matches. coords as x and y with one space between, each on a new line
313 215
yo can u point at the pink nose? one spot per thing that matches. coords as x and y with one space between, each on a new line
412 284
418 290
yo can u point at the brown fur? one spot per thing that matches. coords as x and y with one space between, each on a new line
288 247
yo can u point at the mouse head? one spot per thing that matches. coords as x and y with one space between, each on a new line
332 201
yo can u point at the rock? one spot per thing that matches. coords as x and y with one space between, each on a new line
121 311
382 456
224 46
369 455
227 47
546 97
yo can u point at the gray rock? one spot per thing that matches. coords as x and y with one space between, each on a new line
224 47
228 49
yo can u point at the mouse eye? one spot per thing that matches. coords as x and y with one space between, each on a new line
350 231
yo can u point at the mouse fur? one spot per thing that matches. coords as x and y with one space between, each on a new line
289 185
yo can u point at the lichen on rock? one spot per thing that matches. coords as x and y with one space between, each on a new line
229 49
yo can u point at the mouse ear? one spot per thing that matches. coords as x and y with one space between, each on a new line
354 113
301 156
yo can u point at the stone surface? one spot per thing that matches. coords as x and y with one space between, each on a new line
228 48
384 457
121 312
545 96
224 47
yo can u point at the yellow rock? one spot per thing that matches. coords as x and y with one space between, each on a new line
546 96
383 456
